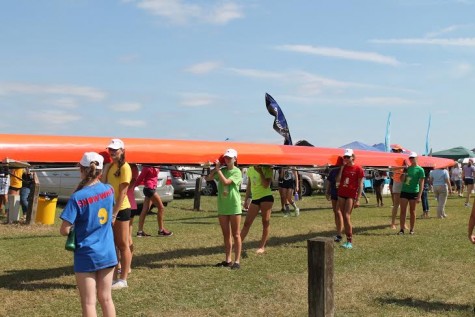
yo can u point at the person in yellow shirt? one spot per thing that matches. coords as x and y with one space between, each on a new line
15 181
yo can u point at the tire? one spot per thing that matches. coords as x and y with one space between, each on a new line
210 189
306 189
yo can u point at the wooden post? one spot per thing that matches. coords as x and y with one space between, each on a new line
33 201
197 201
320 277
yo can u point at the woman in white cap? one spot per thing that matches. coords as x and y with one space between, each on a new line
229 180
411 192
350 180
89 210
119 175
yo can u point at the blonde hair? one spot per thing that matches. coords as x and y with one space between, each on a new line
92 173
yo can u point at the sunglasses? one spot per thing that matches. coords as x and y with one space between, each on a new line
112 150
346 157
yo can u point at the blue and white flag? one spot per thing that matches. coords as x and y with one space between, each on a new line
387 143
280 123
428 136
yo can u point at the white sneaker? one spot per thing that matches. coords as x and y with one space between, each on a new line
297 212
119 284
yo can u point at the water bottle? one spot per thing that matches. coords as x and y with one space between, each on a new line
71 241
296 196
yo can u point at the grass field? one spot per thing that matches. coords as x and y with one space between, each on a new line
428 274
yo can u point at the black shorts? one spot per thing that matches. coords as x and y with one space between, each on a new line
265 199
378 182
286 183
409 196
123 215
17 188
467 181
148 192
135 212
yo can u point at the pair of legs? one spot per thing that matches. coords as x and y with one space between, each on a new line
378 189
24 194
147 203
346 206
469 186
121 228
96 285
4 201
395 194
440 193
230 227
265 205
412 209
425 204
338 217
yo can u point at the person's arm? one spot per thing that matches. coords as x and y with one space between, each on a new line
296 176
65 228
421 187
359 192
123 187
248 194
447 181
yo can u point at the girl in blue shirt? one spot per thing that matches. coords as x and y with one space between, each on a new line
89 210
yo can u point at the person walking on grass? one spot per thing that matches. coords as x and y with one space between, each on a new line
468 175
258 187
350 180
411 192
440 181
396 193
149 178
288 185
119 175
425 195
331 193
378 184
89 210
229 180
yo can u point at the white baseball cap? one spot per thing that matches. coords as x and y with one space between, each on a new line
230 153
348 152
116 144
413 154
90 157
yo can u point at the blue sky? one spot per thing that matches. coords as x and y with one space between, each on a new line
199 70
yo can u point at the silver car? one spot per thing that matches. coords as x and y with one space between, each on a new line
184 179
64 180
309 181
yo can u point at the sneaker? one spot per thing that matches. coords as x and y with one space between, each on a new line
467 205
401 232
411 232
347 245
142 234
235 266
223 264
337 238
119 284
297 212
164 233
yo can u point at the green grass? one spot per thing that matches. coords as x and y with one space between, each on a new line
428 274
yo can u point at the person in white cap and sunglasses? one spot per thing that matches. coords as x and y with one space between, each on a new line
350 180
411 192
229 179
89 210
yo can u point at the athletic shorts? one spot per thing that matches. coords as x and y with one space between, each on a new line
135 212
397 187
17 189
123 215
265 199
409 196
148 192
467 181
287 183
378 182
391 182
458 183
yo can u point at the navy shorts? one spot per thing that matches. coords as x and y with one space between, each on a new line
409 196
148 192
467 181
265 199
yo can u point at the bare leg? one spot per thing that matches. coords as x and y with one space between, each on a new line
235 230
251 215
224 222
121 239
104 283
338 217
396 202
402 220
266 210
145 208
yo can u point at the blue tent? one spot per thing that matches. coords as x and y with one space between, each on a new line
356 145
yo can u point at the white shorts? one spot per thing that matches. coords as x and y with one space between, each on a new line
397 186
4 184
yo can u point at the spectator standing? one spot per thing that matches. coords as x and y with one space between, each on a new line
456 177
149 178
378 183
425 195
350 180
229 180
440 181
396 194
258 187
27 182
119 175
288 185
4 185
133 206
89 210
411 192
468 174
331 192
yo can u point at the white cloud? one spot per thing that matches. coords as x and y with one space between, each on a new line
79 91
197 99
132 123
340 53
181 12
66 103
255 73
468 42
462 70
443 31
126 107
51 117
203 68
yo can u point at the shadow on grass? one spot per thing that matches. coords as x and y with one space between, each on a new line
425 305
34 279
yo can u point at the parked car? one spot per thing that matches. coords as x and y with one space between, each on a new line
184 179
309 181
64 180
